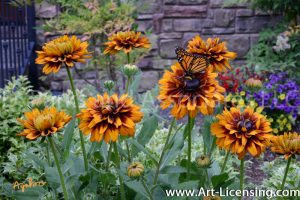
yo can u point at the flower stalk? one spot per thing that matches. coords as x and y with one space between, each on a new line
225 162
242 177
190 128
77 111
163 152
62 180
146 188
286 172
122 190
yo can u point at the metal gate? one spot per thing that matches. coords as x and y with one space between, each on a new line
17 39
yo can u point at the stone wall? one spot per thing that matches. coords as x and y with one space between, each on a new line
174 22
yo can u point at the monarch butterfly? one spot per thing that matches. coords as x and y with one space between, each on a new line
191 64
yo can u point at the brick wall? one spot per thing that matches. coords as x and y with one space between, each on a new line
174 22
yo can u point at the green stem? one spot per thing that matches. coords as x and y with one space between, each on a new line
225 161
190 127
48 155
242 177
128 58
108 156
163 152
127 84
119 167
208 181
77 111
147 189
213 145
286 172
128 151
62 180
126 143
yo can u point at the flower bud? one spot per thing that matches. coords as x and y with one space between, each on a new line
135 169
254 83
130 70
203 161
109 85
211 197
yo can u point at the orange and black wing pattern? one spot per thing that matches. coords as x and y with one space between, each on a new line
191 63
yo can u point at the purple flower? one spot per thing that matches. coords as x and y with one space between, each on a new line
277 84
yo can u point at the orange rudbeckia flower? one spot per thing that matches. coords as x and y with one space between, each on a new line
105 117
189 96
45 122
126 41
242 131
287 144
213 49
62 50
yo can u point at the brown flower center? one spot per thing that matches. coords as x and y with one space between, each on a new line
191 83
245 125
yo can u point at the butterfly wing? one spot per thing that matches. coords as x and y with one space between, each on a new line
190 63
198 64
183 58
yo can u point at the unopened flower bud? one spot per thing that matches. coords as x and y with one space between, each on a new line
130 70
211 197
109 85
254 83
135 169
203 161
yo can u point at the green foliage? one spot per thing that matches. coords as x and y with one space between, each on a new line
14 101
266 55
275 171
290 8
92 17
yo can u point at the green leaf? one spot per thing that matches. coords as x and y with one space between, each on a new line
52 177
173 170
208 138
68 136
30 193
147 131
188 185
36 160
141 148
137 187
174 149
221 180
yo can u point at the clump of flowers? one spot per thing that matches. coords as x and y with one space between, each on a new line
105 117
230 80
280 97
214 50
242 131
126 41
62 50
282 43
240 79
280 93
